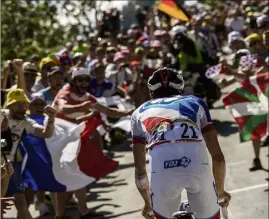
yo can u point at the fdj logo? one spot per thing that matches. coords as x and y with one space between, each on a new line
183 162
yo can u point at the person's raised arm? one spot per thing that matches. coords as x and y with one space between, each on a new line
47 131
4 77
21 79
111 112
65 108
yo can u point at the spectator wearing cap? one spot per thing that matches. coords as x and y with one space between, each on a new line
35 59
236 41
30 73
126 53
99 58
55 82
17 105
45 65
79 59
69 46
99 85
37 110
139 54
262 23
123 73
26 78
110 52
131 44
65 62
81 46
255 44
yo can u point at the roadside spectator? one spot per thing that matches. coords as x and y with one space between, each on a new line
17 105
81 46
99 86
45 65
55 82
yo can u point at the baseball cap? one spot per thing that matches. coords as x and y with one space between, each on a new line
80 72
16 95
234 36
45 61
29 67
253 38
262 20
118 56
54 70
37 96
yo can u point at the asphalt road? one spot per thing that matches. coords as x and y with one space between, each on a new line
116 195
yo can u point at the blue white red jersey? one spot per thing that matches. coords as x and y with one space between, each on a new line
171 120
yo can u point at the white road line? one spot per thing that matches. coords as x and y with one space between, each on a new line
248 188
236 163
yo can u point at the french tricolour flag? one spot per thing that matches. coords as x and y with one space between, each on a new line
67 161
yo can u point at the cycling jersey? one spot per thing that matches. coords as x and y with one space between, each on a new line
172 130
175 119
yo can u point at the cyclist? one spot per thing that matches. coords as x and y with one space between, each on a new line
176 130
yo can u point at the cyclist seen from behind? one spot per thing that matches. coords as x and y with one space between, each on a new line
176 130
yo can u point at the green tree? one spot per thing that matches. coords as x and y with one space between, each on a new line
32 26
28 27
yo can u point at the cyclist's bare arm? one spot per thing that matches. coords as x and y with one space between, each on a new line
218 161
141 178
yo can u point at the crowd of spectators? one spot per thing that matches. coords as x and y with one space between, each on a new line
115 62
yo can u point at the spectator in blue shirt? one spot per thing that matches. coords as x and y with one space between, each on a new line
56 82
99 86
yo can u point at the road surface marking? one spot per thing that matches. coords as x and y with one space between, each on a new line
248 188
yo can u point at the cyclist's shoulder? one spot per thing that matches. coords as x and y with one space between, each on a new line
194 99
139 109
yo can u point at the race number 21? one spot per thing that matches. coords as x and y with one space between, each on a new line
188 131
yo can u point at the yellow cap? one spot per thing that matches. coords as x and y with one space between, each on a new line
45 61
253 38
16 95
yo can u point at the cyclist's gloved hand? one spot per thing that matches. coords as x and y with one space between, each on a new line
147 212
224 199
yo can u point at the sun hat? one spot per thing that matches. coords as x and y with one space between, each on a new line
16 95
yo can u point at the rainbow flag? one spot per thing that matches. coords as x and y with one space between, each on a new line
173 9
248 105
